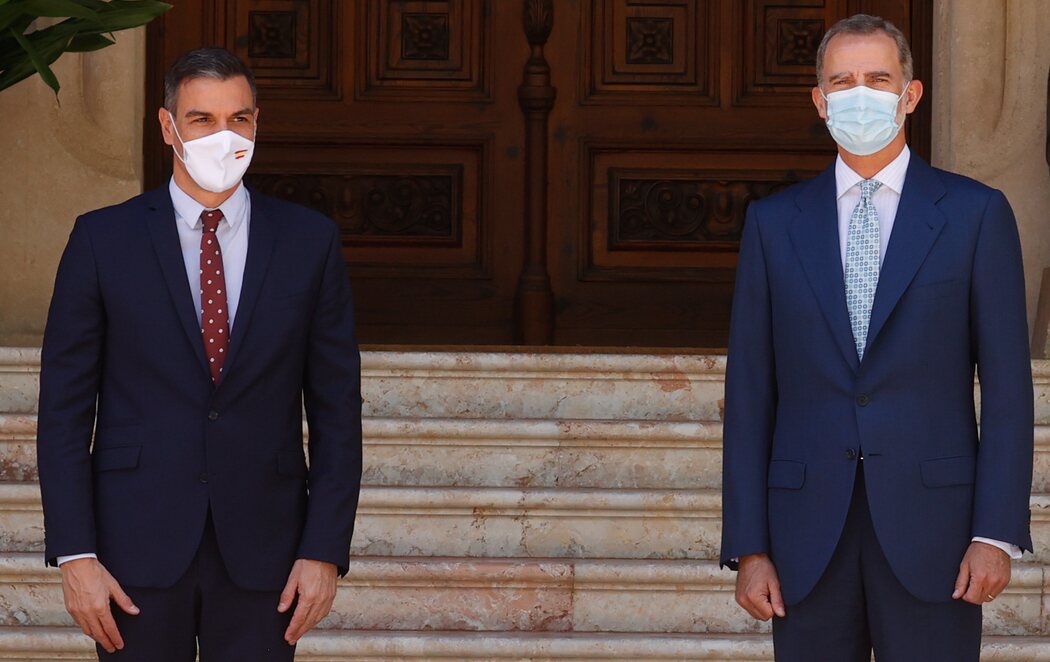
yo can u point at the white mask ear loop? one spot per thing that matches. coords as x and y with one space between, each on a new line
176 130
901 96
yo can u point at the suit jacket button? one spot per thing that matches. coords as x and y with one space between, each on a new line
213 415
851 454
863 400
204 478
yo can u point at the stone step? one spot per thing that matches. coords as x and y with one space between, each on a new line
496 385
531 595
480 522
516 453
494 453
60 644
513 385
509 522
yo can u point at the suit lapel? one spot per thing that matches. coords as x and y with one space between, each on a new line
915 229
165 238
262 236
815 235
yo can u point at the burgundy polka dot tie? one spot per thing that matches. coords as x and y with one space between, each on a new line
215 318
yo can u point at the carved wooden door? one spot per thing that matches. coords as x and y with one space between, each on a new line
538 171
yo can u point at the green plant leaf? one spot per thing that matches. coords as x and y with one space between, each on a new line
126 14
89 26
84 43
60 9
42 67
11 12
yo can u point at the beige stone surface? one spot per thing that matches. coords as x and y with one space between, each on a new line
529 595
62 158
989 109
507 515
54 644
555 454
501 385
469 453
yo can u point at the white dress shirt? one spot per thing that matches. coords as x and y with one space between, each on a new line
885 199
232 234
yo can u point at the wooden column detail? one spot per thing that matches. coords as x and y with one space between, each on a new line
534 301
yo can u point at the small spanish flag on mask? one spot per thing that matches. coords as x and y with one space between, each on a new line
239 154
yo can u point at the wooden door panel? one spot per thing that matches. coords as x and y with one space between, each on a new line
568 172
395 119
649 52
663 145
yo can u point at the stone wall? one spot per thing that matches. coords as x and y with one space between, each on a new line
61 158
988 94
989 91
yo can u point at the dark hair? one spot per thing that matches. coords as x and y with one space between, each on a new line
865 24
217 63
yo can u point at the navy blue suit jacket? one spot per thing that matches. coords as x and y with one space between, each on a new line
800 406
123 364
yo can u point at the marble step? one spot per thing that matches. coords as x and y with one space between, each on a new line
509 522
495 453
498 385
516 453
484 522
531 595
513 385
60 644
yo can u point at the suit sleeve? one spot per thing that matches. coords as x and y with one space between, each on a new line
750 404
332 395
999 332
69 379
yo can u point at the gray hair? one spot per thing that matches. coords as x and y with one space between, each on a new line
865 24
217 63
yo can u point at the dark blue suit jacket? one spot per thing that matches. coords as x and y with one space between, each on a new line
799 405
122 334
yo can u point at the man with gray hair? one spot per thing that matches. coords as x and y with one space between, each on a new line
862 507
188 328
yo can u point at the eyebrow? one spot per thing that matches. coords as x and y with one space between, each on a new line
201 113
867 74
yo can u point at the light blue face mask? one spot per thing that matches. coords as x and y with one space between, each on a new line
862 120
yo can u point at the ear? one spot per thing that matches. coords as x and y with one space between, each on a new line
912 96
820 103
166 130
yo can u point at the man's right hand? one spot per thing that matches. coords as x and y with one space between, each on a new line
88 588
758 588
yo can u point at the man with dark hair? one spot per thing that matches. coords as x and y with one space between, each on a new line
862 507
188 327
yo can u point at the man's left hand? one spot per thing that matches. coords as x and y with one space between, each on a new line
983 574
314 583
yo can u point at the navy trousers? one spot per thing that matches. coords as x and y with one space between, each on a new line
859 606
206 609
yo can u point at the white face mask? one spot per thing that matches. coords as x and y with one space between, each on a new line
863 120
217 161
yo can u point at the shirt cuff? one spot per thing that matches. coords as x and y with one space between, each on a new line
63 559
1013 551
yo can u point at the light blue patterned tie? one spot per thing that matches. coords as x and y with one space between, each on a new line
862 263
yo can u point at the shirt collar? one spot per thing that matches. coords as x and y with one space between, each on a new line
188 210
892 176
